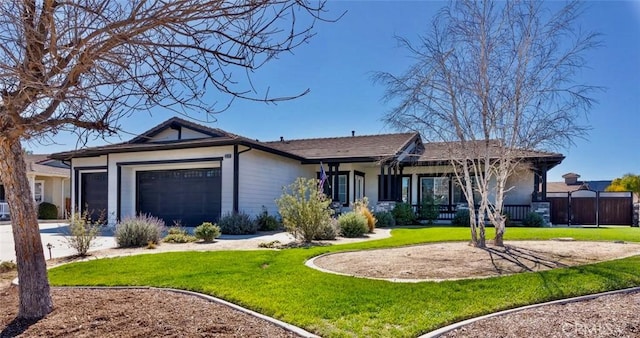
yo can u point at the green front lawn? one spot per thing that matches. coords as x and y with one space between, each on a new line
277 283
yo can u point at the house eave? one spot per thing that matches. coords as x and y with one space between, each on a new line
133 148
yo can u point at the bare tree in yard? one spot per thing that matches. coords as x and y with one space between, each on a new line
494 80
67 65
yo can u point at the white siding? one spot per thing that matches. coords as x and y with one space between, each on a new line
89 162
262 176
172 135
188 134
84 163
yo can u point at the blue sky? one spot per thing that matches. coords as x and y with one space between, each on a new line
336 65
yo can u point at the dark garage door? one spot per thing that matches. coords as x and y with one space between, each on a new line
94 194
191 196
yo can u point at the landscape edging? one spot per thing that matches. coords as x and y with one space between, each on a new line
448 328
289 327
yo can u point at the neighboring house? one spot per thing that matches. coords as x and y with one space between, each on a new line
49 182
585 203
572 183
183 171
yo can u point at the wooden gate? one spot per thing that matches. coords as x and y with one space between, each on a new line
587 207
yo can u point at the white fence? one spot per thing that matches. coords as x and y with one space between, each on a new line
4 210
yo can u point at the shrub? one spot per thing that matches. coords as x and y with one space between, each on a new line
207 231
6 266
83 231
328 230
237 223
352 224
47 210
269 245
533 219
403 214
177 230
178 234
179 238
267 222
304 208
139 231
362 206
385 219
429 208
462 218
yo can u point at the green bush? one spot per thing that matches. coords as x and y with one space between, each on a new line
47 210
177 230
177 234
237 223
304 209
385 219
179 238
461 218
429 209
353 224
83 231
533 219
207 231
328 230
267 222
403 214
362 206
139 231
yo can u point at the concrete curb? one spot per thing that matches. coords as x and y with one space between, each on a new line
443 330
311 264
289 327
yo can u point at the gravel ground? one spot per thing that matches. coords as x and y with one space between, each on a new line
459 260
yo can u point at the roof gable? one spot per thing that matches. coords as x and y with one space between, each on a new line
176 129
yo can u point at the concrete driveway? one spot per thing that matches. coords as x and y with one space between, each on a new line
52 233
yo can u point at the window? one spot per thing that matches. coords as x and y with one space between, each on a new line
437 187
458 194
342 184
38 191
342 189
406 189
2 192
358 185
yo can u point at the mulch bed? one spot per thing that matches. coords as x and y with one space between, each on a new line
132 313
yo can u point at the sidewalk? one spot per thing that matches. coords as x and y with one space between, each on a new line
51 233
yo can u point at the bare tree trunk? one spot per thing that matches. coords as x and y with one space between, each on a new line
35 299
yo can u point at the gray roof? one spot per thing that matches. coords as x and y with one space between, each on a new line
351 147
312 150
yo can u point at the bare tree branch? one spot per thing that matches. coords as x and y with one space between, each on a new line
494 80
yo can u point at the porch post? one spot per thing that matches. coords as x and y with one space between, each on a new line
544 182
381 183
536 185
399 183
330 179
388 194
335 182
